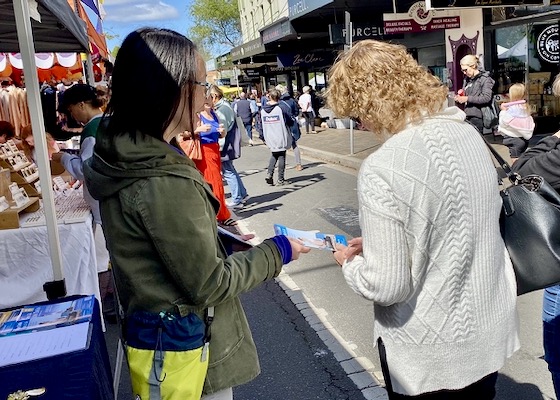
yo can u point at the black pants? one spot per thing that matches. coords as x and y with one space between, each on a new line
280 157
484 389
309 121
516 145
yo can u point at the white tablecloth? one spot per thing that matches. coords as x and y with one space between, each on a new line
25 263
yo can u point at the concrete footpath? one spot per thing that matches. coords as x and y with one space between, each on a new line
333 146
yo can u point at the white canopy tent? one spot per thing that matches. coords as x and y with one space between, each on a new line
520 50
517 50
56 28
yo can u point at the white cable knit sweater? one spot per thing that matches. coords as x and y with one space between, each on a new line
434 262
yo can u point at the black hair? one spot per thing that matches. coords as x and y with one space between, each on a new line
153 70
78 93
7 129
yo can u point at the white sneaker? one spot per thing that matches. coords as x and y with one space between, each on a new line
250 142
233 206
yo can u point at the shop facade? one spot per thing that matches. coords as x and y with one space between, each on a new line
527 52
515 43
298 49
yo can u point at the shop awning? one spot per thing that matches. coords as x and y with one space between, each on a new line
59 30
542 17
230 90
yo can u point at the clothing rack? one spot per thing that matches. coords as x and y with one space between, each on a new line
13 107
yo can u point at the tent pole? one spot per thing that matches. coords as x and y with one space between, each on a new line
89 66
56 288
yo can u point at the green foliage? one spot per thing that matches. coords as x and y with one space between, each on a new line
115 51
216 24
111 36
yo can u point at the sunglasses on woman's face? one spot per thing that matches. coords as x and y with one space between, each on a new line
464 69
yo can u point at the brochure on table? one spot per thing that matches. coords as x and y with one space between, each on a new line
38 331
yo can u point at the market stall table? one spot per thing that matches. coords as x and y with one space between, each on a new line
25 263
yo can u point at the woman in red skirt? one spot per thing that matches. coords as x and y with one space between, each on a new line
210 166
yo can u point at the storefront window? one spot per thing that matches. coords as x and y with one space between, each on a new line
512 54
529 54
317 80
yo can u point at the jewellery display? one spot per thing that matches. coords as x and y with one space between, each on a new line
19 195
12 145
3 203
37 185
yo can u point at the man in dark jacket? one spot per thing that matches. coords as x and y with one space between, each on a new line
243 110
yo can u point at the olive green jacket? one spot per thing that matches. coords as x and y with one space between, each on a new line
159 219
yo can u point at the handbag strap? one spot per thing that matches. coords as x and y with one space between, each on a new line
503 164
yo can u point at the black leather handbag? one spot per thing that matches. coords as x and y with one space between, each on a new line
530 226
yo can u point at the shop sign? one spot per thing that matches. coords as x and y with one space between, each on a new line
248 49
442 4
223 82
360 31
277 31
251 73
297 8
281 70
305 59
420 19
547 44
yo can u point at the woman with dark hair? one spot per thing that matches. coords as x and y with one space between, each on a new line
7 131
84 103
160 217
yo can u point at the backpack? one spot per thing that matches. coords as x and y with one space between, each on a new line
489 116
294 127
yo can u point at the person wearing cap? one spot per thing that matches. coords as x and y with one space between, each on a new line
84 104
304 102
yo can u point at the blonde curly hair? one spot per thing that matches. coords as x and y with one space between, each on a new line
383 86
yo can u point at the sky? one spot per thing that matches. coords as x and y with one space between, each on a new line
124 16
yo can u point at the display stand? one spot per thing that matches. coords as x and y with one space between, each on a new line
9 219
29 183
22 171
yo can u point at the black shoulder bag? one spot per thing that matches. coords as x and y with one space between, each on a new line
530 226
